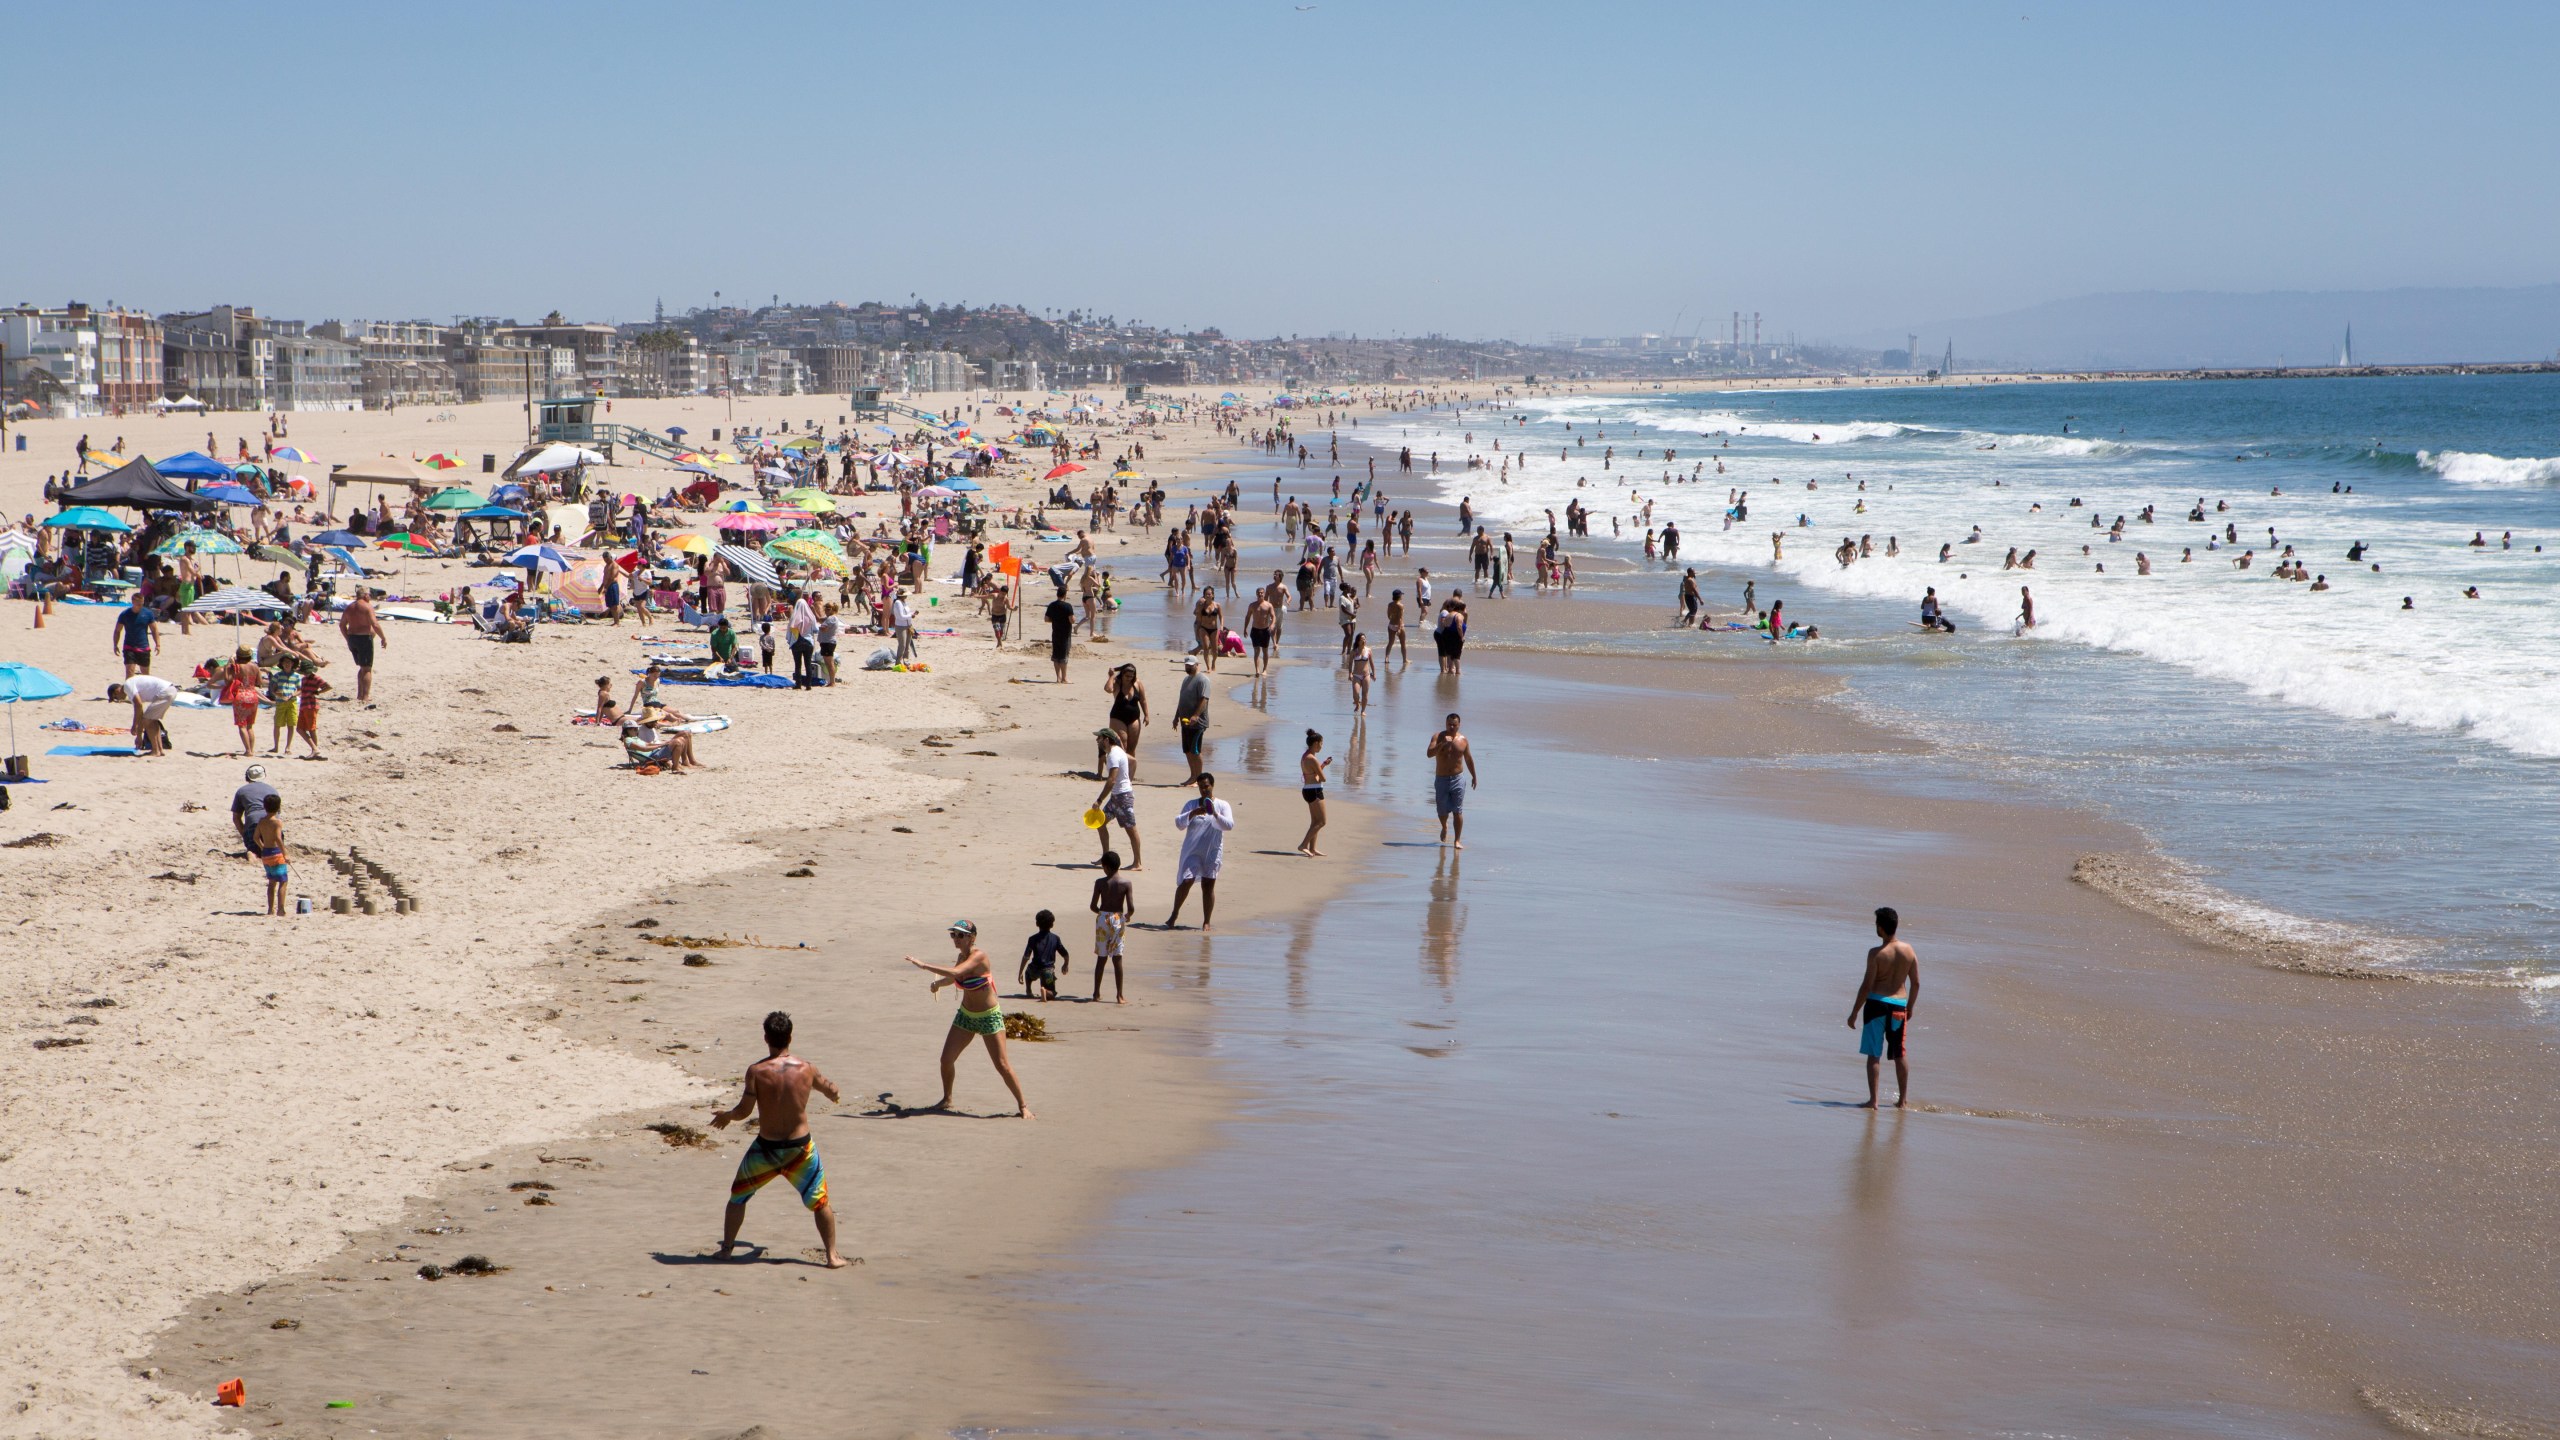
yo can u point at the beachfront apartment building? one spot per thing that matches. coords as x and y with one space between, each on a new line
598 350
932 370
404 361
1015 375
313 372
833 369
50 357
197 364
78 360
129 360
222 356
490 361
664 362
750 368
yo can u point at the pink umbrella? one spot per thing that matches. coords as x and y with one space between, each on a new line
749 522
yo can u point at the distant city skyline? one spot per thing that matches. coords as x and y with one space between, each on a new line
1480 170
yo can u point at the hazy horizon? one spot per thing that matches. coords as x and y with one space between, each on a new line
1270 169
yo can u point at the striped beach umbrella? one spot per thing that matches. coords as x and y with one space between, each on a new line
748 565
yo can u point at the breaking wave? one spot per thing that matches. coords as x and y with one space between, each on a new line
2464 467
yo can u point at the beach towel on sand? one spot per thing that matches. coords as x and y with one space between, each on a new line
761 682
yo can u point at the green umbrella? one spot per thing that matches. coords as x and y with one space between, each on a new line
207 542
457 498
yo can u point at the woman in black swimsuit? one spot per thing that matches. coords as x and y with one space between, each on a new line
1311 768
1449 637
1128 710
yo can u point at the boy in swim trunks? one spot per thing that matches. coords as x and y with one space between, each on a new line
284 691
1881 1013
1115 902
266 843
777 1094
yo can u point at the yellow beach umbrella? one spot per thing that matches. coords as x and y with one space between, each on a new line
816 502
809 552
689 544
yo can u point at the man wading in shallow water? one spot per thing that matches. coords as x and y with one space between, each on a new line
778 1089
1450 756
1886 994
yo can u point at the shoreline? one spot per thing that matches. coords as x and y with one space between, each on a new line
1120 1091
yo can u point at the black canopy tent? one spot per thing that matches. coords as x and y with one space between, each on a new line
137 486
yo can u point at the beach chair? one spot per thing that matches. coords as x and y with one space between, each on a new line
690 616
642 755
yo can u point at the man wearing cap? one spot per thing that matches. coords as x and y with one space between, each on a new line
1119 798
249 803
1191 713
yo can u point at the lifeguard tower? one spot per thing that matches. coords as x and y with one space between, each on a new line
570 420
866 402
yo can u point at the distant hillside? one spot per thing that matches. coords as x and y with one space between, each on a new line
2167 330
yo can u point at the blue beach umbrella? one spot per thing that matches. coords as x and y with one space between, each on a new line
26 682
86 517
338 537
231 495
192 465
19 681
540 559
495 512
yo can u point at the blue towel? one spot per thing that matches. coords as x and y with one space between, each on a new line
96 750
761 682
21 780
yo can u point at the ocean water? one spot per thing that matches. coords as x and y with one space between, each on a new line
2383 756
1548 1138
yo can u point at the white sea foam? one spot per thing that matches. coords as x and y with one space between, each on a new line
2177 893
2488 667
1715 422
2070 445
2464 467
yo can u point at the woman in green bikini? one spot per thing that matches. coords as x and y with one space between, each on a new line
976 981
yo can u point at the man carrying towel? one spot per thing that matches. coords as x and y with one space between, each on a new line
1881 1013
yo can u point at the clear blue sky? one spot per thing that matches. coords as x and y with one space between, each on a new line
1475 168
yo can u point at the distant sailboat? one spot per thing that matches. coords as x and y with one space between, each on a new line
2347 350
